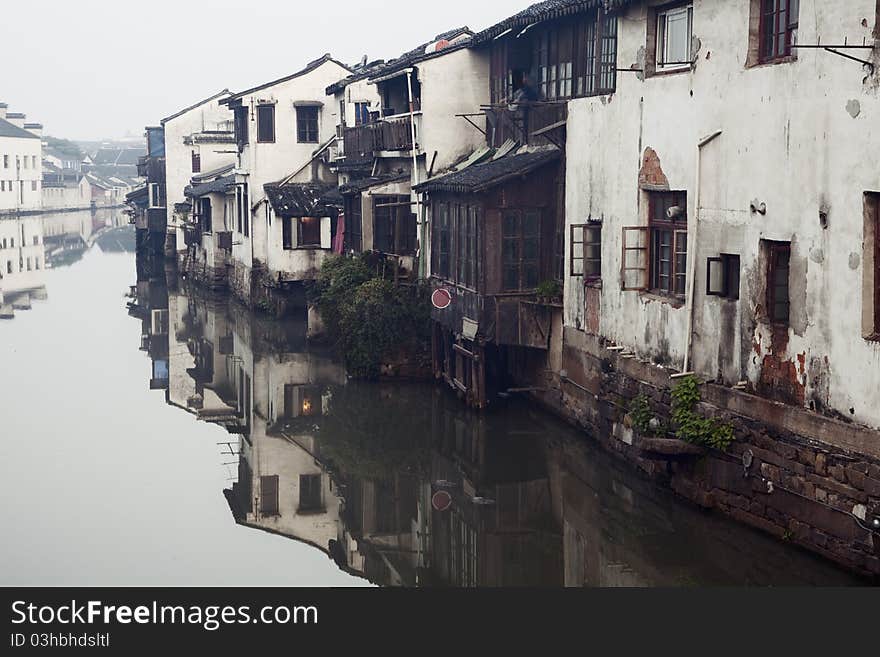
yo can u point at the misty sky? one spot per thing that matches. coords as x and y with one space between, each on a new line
95 69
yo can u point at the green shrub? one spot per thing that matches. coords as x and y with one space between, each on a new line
369 317
692 427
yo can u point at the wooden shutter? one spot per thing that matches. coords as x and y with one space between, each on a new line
634 264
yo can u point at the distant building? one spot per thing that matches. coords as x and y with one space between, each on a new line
20 163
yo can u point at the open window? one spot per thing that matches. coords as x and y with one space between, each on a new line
634 263
667 221
586 251
673 35
722 276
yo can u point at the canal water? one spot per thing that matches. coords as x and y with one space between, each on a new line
154 435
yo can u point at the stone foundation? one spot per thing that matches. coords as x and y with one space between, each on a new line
800 476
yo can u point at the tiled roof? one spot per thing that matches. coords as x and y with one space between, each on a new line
356 186
311 66
8 129
480 177
418 54
225 92
303 199
219 185
543 11
379 68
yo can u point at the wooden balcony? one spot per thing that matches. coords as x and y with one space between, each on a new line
361 143
538 123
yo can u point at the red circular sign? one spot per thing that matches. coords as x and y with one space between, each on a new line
441 298
441 500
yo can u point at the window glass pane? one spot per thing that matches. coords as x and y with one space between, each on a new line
510 226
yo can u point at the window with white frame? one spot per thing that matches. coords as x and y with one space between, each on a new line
155 196
674 30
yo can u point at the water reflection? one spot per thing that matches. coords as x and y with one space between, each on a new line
398 484
31 244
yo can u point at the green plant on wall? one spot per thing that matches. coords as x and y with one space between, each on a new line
549 290
640 413
692 427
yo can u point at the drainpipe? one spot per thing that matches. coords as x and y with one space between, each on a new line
692 253
415 175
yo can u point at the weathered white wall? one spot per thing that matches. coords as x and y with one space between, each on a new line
210 115
797 136
260 163
68 197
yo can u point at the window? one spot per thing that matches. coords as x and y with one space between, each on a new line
667 222
394 225
155 196
196 162
779 28
33 185
2 185
241 125
353 225
310 493
5 161
442 240
9 266
722 276
520 249
243 210
265 123
361 113
203 214
36 263
269 495
586 251
25 162
778 269
33 161
674 29
29 264
159 322
307 124
308 231
36 239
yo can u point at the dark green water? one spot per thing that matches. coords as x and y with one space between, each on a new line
154 436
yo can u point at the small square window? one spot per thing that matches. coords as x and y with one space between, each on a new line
722 276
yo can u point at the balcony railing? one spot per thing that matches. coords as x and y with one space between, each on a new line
362 142
537 123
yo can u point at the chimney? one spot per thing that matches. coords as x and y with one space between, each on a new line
3 108
16 118
34 128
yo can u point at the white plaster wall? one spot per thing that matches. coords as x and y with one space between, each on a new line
261 163
455 83
210 115
26 152
789 140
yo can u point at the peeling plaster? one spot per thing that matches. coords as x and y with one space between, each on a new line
854 261
854 108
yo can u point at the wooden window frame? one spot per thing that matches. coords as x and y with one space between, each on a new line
730 273
521 239
677 229
354 239
310 505
266 126
396 209
240 123
304 133
196 162
642 247
774 251
789 32
588 273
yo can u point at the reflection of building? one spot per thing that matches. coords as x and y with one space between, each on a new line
22 263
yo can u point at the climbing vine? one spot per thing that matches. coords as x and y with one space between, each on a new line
692 427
